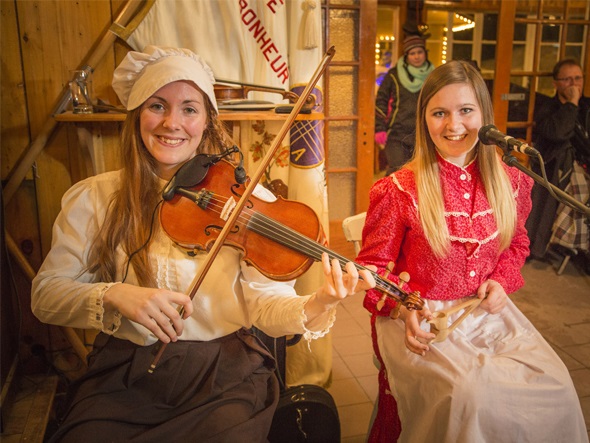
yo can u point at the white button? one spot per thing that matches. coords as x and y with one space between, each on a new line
466 195
472 274
462 176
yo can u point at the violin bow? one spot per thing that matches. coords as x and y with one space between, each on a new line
254 180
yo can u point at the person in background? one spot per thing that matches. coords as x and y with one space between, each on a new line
112 268
561 134
395 104
383 68
453 218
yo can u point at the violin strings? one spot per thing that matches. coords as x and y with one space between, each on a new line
287 236
268 227
274 230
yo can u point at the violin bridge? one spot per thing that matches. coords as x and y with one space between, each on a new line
229 206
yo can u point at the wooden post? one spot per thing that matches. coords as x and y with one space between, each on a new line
503 63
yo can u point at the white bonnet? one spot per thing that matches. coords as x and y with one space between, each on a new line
140 74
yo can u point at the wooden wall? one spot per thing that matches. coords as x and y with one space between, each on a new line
42 41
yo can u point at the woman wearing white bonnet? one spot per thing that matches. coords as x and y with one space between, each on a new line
113 269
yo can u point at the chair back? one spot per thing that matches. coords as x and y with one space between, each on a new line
353 229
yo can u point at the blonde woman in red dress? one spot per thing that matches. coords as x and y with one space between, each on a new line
453 218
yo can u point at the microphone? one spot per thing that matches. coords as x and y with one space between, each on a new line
490 135
239 173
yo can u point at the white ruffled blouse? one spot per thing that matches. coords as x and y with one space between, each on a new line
232 295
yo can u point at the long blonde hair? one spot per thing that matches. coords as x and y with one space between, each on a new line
425 165
128 221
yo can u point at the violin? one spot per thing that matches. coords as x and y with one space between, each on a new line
224 92
243 213
281 239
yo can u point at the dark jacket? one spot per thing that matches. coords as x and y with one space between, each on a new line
395 113
561 136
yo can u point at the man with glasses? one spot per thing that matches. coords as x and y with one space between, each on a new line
562 124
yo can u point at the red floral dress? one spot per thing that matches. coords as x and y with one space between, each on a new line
475 385
393 233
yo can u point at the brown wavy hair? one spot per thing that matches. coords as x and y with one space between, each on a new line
128 221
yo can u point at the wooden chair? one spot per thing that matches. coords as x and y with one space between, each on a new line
353 229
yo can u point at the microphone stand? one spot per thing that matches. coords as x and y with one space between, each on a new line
510 160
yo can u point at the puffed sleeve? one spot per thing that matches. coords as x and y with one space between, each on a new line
508 270
277 310
383 234
64 292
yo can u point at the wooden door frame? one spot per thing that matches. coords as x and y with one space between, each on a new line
506 21
366 106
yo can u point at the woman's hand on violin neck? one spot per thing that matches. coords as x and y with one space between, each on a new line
152 308
339 284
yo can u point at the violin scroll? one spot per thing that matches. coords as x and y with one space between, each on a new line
412 301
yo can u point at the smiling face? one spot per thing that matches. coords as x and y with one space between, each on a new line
172 123
453 117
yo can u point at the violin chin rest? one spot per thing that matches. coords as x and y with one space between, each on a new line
189 175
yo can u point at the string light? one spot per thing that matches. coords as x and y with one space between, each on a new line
444 46
469 24
463 27
383 38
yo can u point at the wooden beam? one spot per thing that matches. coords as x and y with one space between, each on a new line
366 105
30 273
504 40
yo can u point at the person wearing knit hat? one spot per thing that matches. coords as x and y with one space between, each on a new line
414 41
395 104
113 268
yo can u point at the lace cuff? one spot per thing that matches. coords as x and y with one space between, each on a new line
107 322
319 326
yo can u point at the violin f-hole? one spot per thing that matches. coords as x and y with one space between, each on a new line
234 191
234 230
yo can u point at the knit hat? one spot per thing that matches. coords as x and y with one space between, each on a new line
140 74
413 41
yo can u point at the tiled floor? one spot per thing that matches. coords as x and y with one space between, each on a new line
558 305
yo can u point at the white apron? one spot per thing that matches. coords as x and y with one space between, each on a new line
494 379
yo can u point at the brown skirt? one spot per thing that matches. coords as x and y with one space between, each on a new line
222 390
